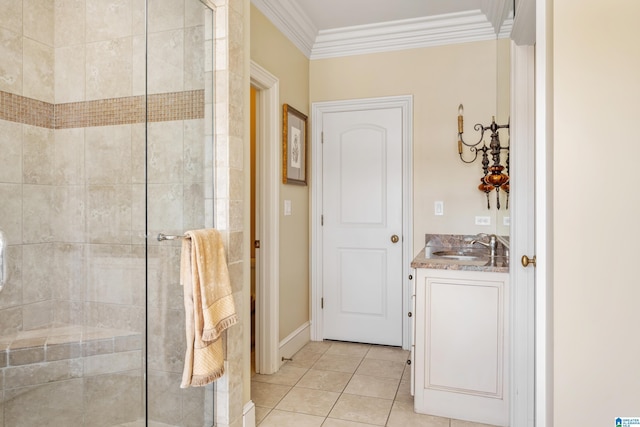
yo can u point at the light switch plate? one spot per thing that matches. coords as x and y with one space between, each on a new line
287 207
438 207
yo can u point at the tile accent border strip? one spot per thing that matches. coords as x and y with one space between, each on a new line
16 108
105 112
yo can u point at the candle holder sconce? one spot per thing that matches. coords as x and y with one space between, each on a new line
496 175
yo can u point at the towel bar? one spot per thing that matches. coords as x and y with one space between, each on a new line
162 236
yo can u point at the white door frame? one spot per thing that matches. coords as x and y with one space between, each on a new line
532 351
544 211
522 336
267 227
318 109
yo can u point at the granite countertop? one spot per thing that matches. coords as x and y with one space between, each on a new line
481 261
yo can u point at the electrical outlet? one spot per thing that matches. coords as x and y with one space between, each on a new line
506 220
483 220
438 208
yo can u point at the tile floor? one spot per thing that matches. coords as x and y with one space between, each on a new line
336 384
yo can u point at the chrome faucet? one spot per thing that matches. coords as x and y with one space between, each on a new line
492 244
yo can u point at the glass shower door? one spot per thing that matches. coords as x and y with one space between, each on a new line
179 155
104 144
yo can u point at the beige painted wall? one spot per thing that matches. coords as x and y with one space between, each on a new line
439 78
596 291
274 52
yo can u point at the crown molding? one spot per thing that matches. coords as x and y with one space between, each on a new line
403 34
497 12
291 20
524 23
414 33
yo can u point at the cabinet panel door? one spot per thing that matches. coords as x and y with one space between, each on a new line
461 347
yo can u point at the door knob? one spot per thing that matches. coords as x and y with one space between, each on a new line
526 261
395 238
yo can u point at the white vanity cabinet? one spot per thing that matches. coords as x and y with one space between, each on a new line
461 356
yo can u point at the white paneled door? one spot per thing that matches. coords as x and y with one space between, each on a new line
362 226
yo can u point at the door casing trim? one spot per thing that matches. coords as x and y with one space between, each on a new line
268 228
318 109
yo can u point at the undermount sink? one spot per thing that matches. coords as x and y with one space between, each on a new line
461 254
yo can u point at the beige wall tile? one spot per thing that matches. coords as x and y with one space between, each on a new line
37 202
109 213
165 152
109 69
70 71
11 64
37 315
38 19
69 158
11 212
116 279
139 70
194 150
11 16
138 142
114 316
165 15
194 58
38 155
108 154
113 399
12 291
139 18
165 398
40 374
24 405
39 267
71 271
138 215
10 320
69 312
70 18
69 213
166 338
165 61
236 184
11 149
38 66
108 20
164 290
111 363
194 203
194 13
165 209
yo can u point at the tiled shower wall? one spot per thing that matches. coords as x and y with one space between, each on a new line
72 139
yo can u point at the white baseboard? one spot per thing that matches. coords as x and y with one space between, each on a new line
249 414
295 341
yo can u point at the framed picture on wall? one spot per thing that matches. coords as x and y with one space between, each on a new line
294 146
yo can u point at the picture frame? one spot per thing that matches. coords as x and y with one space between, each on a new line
294 146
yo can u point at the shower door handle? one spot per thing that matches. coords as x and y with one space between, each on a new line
3 260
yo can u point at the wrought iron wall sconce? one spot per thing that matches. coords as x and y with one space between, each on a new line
496 176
